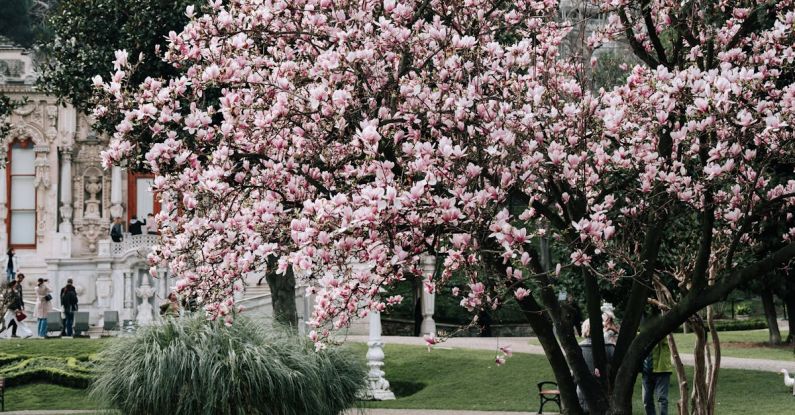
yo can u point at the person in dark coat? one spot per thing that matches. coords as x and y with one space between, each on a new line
12 265
587 355
20 300
116 230
69 304
136 226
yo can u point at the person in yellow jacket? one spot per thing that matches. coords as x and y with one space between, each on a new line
657 370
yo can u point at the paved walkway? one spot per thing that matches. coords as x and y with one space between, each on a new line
522 345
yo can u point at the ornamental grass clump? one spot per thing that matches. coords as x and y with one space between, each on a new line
195 366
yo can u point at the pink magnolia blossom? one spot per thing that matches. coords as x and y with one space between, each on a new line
344 140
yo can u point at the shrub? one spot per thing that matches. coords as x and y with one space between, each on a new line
195 366
744 309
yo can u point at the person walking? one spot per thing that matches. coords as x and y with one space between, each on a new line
20 307
116 230
657 370
587 354
14 314
18 287
69 305
43 305
12 265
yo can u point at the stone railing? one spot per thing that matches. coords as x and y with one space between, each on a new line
141 244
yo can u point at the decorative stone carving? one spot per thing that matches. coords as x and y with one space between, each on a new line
145 292
42 185
128 295
66 190
377 385
91 189
104 290
91 233
25 110
94 191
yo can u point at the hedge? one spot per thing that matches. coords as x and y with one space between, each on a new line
49 375
65 371
736 325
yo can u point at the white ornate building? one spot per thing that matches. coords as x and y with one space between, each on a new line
57 203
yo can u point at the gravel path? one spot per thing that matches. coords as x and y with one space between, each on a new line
522 345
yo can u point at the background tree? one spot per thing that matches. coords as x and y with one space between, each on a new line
6 106
82 35
343 141
15 21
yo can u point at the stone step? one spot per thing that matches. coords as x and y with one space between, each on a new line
253 291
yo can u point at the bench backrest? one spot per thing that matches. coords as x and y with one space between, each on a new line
110 320
54 322
81 321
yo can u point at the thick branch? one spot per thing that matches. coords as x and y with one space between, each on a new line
657 328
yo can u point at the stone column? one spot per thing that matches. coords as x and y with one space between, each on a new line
66 191
428 326
3 210
128 291
116 208
377 385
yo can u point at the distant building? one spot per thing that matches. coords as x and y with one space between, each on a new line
57 202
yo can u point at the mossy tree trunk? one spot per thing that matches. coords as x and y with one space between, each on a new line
282 295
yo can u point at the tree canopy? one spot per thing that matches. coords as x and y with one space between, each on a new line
343 140
82 36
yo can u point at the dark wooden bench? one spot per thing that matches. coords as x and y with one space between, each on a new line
548 394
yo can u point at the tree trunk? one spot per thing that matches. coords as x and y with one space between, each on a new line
789 302
542 327
770 315
713 373
681 376
283 296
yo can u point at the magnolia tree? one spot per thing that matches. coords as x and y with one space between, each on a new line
342 140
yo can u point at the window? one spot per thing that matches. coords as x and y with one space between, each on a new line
140 198
21 194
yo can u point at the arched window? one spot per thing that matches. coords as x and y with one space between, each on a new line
21 194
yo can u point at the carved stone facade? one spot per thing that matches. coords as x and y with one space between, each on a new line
72 204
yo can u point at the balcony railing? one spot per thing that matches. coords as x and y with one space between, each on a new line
140 244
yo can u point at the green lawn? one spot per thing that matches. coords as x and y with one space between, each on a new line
53 347
46 397
440 379
748 343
